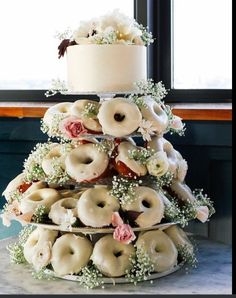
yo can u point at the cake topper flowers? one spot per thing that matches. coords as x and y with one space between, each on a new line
112 28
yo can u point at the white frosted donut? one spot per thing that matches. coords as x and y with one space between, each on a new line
70 253
62 108
123 156
160 249
95 207
35 186
150 203
41 197
179 237
77 110
13 186
55 154
112 257
59 209
177 165
37 248
119 117
154 113
67 193
86 163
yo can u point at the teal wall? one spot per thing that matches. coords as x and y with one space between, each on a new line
206 146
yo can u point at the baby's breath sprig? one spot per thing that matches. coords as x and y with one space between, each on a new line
15 195
42 274
156 90
164 180
139 101
105 146
16 253
59 175
190 208
54 131
90 110
141 154
170 129
57 86
146 36
124 189
174 213
203 200
33 164
67 34
39 214
16 250
90 277
142 266
188 256
108 37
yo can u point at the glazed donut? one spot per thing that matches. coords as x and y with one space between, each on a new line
86 163
59 209
66 193
35 186
134 167
70 253
90 123
154 113
177 165
62 108
15 184
150 203
56 153
119 117
160 249
95 207
112 257
37 247
41 197
179 237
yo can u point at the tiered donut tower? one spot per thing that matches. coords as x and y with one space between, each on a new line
105 198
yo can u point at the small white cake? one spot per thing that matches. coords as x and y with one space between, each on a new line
105 68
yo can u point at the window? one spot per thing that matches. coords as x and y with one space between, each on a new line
28 54
193 51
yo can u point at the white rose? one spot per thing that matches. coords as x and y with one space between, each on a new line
177 123
202 213
158 164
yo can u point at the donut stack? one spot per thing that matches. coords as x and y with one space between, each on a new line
106 194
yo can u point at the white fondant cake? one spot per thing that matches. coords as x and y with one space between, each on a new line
105 68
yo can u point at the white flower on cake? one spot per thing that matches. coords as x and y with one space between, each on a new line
158 164
42 256
69 220
146 129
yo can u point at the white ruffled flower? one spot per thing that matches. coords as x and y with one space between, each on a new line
69 220
202 213
42 256
176 123
85 30
146 129
182 170
158 164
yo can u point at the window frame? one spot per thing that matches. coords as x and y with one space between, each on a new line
160 59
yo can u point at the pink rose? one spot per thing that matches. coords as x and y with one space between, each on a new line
177 123
116 220
124 234
72 127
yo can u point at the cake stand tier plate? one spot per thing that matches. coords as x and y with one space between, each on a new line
116 280
88 230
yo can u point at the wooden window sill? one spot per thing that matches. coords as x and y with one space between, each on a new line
187 111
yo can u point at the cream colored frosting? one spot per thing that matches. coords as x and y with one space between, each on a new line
105 68
59 209
95 207
112 257
150 203
160 248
